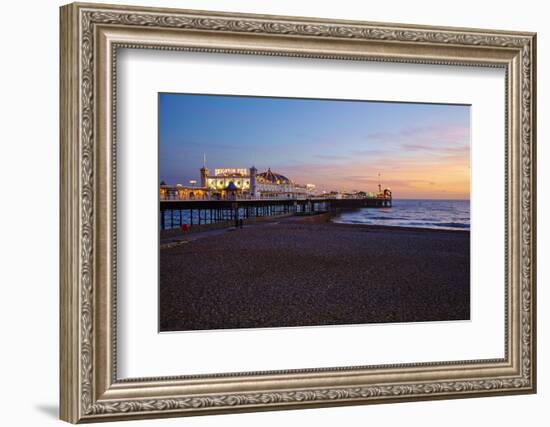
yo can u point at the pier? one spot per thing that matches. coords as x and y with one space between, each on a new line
193 213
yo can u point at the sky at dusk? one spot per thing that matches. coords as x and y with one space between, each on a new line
420 150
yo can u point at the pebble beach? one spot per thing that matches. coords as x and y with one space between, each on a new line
306 272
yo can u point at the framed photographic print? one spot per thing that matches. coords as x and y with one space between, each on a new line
265 212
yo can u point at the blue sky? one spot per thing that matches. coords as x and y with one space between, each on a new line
420 150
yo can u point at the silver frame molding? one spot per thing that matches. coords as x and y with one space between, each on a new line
90 37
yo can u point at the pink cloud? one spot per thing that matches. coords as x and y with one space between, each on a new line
439 134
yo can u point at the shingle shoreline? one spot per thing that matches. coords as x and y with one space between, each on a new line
304 273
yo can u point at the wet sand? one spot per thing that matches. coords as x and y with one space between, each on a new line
303 272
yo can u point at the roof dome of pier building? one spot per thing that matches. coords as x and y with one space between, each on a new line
270 177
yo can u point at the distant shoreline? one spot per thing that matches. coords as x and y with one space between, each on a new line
431 214
327 218
175 234
376 227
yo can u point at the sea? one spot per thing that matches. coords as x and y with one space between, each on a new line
437 214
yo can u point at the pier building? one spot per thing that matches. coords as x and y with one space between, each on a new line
238 183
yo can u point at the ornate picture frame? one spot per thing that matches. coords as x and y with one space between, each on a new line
90 37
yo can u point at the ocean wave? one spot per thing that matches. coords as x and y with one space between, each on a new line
446 215
388 218
455 225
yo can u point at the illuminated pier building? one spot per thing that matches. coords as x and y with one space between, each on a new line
238 183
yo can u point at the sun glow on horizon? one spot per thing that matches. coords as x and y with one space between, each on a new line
421 151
